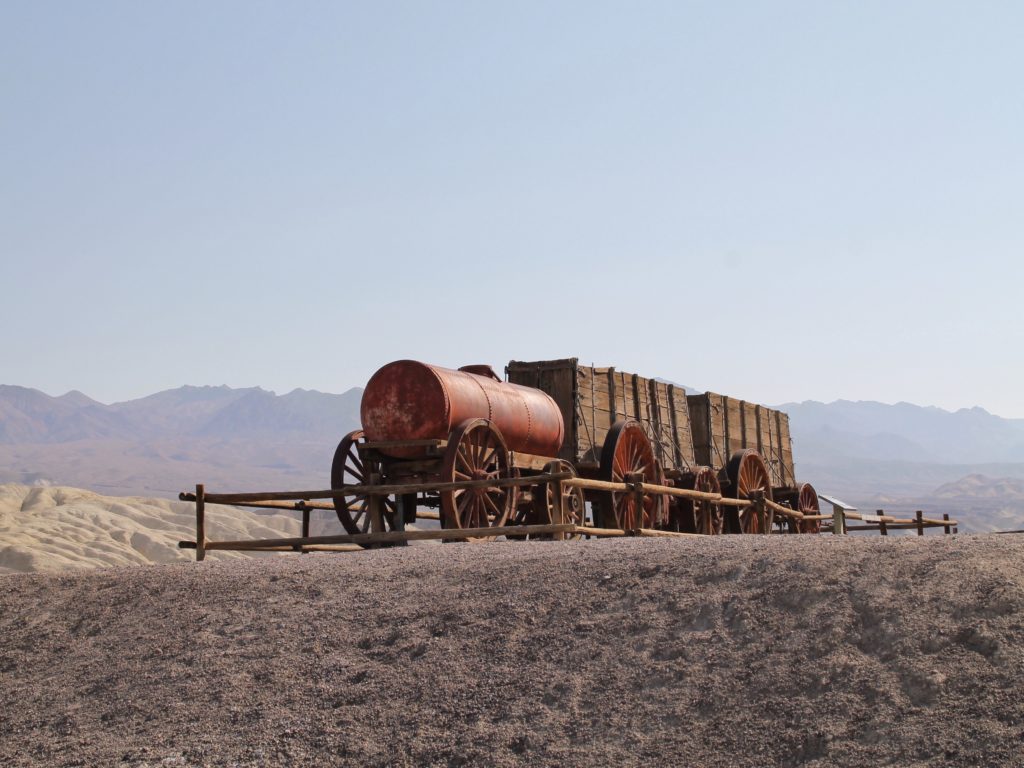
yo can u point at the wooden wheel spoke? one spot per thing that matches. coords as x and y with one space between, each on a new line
632 456
486 448
479 448
477 516
364 516
473 450
464 461
494 507
489 458
356 464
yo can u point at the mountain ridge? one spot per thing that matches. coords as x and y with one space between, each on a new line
904 431
28 416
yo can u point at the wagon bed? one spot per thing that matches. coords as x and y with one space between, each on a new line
722 425
593 399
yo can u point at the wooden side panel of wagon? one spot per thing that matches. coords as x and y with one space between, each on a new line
708 413
785 450
671 420
775 446
598 397
724 425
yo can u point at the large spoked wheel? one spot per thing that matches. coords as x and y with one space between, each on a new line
544 509
747 473
476 451
348 469
807 503
627 451
699 515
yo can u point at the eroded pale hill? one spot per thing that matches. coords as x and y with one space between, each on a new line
732 651
55 528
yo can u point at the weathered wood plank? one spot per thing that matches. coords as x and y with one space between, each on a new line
384 490
593 399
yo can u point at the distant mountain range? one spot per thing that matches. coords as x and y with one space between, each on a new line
905 432
870 454
231 439
29 416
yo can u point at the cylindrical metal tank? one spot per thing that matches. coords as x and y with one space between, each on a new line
409 400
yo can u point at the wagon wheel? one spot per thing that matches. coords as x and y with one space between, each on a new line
628 451
543 505
807 503
348 469
747 473
522 514
476 451
700 515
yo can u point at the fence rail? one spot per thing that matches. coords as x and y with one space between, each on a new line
306 502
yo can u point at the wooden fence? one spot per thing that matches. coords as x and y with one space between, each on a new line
884 523
306 502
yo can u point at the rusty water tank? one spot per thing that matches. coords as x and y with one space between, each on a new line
409 400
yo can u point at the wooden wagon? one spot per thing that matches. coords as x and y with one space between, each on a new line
619 427
751 446
448 428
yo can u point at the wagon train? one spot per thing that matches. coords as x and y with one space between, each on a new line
555 450
508 453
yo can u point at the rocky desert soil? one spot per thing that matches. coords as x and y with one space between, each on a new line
732 651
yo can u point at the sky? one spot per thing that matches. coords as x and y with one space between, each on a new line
776 201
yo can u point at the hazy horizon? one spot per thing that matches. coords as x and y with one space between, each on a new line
280 393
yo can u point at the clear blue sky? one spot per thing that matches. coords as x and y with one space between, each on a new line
779 201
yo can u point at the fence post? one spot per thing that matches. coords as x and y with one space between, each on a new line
200 523
554 487
920 523
401 504
375 506
757 509
636 480
946 528
838 520
305 526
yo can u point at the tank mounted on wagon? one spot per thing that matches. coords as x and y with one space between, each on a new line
409 400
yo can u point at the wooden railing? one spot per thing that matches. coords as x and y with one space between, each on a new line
307 502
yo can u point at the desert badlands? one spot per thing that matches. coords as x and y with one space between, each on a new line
44 529
728 651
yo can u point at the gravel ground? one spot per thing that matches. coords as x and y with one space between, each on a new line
734 651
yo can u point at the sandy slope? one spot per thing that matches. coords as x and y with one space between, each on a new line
49 529
743 651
